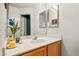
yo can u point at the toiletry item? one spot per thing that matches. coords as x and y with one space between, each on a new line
35 38
11 44
17 40
21 41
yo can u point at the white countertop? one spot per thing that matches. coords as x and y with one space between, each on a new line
29 44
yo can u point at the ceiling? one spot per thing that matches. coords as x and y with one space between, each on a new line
23 5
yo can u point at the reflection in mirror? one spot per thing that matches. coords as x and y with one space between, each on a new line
49 18
34 18
13 22
52 16
25 25
42 18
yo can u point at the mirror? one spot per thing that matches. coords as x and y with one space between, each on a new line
33 18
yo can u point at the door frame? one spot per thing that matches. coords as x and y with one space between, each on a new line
21 25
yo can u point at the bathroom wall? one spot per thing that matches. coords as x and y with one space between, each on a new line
69 27
2 26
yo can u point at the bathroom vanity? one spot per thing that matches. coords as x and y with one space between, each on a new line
53 49
42 47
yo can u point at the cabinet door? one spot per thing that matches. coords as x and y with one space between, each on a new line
54 49
38 52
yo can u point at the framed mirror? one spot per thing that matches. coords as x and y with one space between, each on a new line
42 18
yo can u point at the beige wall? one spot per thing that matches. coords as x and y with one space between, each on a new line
2 26
69 27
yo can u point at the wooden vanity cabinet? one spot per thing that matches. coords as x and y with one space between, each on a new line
53 49
36 52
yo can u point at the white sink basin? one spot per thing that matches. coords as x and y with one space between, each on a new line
39 41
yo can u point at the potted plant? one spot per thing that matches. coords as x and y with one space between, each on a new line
14 28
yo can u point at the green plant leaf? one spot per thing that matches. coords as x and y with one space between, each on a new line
18 28
14 28
11 29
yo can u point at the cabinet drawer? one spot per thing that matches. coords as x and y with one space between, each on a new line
37 52
54 49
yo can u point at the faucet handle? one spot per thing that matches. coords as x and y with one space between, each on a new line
35 38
